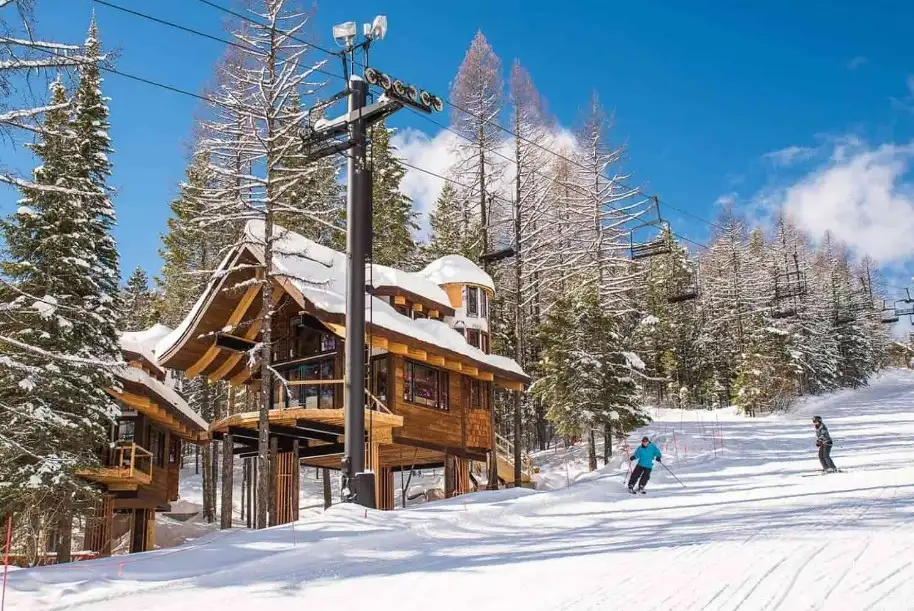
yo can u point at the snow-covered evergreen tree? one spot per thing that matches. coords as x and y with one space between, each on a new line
394 222
59 300
139 302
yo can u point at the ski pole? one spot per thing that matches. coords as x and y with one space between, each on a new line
673 474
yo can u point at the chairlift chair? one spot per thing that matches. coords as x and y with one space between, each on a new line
888 316
659 245
905 309
689 291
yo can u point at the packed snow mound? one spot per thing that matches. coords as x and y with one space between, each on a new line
456 269
752 506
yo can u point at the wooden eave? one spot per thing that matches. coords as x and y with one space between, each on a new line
153 369
444 309
159 409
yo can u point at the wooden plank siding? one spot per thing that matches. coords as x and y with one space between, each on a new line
478 429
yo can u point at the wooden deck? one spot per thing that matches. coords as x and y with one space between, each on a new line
132 468
378 425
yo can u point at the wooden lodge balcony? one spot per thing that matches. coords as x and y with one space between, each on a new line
130 467
317 425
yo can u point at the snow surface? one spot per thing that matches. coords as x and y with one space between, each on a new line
139 376
456 269
319 273
748 532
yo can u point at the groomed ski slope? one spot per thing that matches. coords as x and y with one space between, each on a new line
749 532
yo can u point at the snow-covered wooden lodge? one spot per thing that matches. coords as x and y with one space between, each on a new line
429 367
141 464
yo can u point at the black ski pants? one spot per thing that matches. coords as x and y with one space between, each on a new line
825 457
642 473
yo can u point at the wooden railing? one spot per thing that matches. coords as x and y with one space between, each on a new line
371 401
132 461
504 449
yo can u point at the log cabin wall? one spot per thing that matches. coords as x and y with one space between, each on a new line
440 427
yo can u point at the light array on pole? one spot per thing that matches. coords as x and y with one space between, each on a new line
403 92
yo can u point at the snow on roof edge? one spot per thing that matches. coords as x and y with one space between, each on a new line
139 376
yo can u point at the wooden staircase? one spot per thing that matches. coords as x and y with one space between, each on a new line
504 453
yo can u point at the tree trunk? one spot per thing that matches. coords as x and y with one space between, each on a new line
214 476
65 529
607 442
209 512
266 353
227 482
328 496
591 449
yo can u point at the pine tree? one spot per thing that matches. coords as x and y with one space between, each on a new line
393 219
58 330
139 303
445 236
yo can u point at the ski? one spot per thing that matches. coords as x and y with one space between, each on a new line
822 473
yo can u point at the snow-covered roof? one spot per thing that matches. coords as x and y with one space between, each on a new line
134 374
455 269
144 342
319 274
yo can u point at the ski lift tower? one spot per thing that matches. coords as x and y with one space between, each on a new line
347 132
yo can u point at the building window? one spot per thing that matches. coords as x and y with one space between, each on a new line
417 315
404 310
314 396
328 342
472 301
379 378
484 342
157 447
425 385
473 337
126 430
483 304
476 392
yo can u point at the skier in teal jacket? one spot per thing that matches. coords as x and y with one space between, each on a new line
646 454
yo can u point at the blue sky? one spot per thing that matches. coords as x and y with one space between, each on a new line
762 103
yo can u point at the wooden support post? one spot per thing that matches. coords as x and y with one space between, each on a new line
244 480
252 486
271 484
150 531
228 483
450 475
328 497
296 480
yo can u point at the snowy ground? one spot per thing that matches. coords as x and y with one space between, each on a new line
750 531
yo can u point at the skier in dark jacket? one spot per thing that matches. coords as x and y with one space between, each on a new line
646 454
824 443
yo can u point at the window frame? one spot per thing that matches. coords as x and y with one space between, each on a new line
474 291
473 333
442 390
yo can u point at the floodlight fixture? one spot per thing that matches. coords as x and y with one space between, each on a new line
412 93
399 88
372 76
344 31
379 27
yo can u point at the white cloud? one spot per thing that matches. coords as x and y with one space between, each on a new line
791 155
863 197
434 154
857 62
727 199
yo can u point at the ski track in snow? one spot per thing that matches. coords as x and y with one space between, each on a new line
748 532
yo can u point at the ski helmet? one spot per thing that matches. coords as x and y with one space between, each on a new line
817 419
643 439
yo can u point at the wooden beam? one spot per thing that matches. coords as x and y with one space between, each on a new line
396 348
379 342
509 384
203 362
433 313
417 307
233 359
486 376
453 365
434 359
470 370
399 300
240 310
240 377
417 353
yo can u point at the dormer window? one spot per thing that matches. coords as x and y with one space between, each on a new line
472 301
473 337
